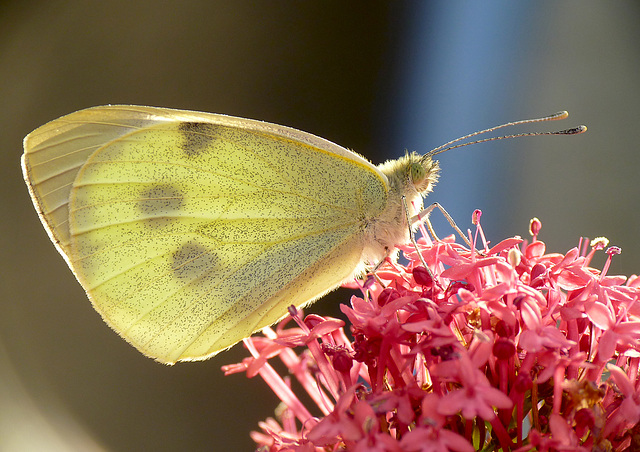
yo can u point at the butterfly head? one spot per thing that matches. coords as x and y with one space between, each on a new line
412 174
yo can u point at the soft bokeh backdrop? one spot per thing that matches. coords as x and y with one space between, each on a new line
376 77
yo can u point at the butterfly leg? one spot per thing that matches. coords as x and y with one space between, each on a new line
424 216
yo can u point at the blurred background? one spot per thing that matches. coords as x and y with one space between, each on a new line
376 77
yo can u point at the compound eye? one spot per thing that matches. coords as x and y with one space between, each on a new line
417 172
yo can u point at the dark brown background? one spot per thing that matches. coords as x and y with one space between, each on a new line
372 77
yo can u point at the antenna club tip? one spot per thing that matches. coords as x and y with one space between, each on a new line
572 131
576 130
560 115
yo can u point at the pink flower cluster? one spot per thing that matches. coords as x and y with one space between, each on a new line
510 348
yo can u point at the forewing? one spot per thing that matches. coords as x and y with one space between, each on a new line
190 235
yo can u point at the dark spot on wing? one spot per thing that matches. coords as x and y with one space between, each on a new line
192 260
159 204
196 137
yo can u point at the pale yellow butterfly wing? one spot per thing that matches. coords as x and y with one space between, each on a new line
190 231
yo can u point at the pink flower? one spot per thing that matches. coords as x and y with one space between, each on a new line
461 356
627 415
614 330
476 397
429 439
430 434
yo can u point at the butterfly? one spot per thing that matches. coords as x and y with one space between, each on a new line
190 231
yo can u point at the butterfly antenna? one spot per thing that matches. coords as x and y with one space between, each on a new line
560 115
